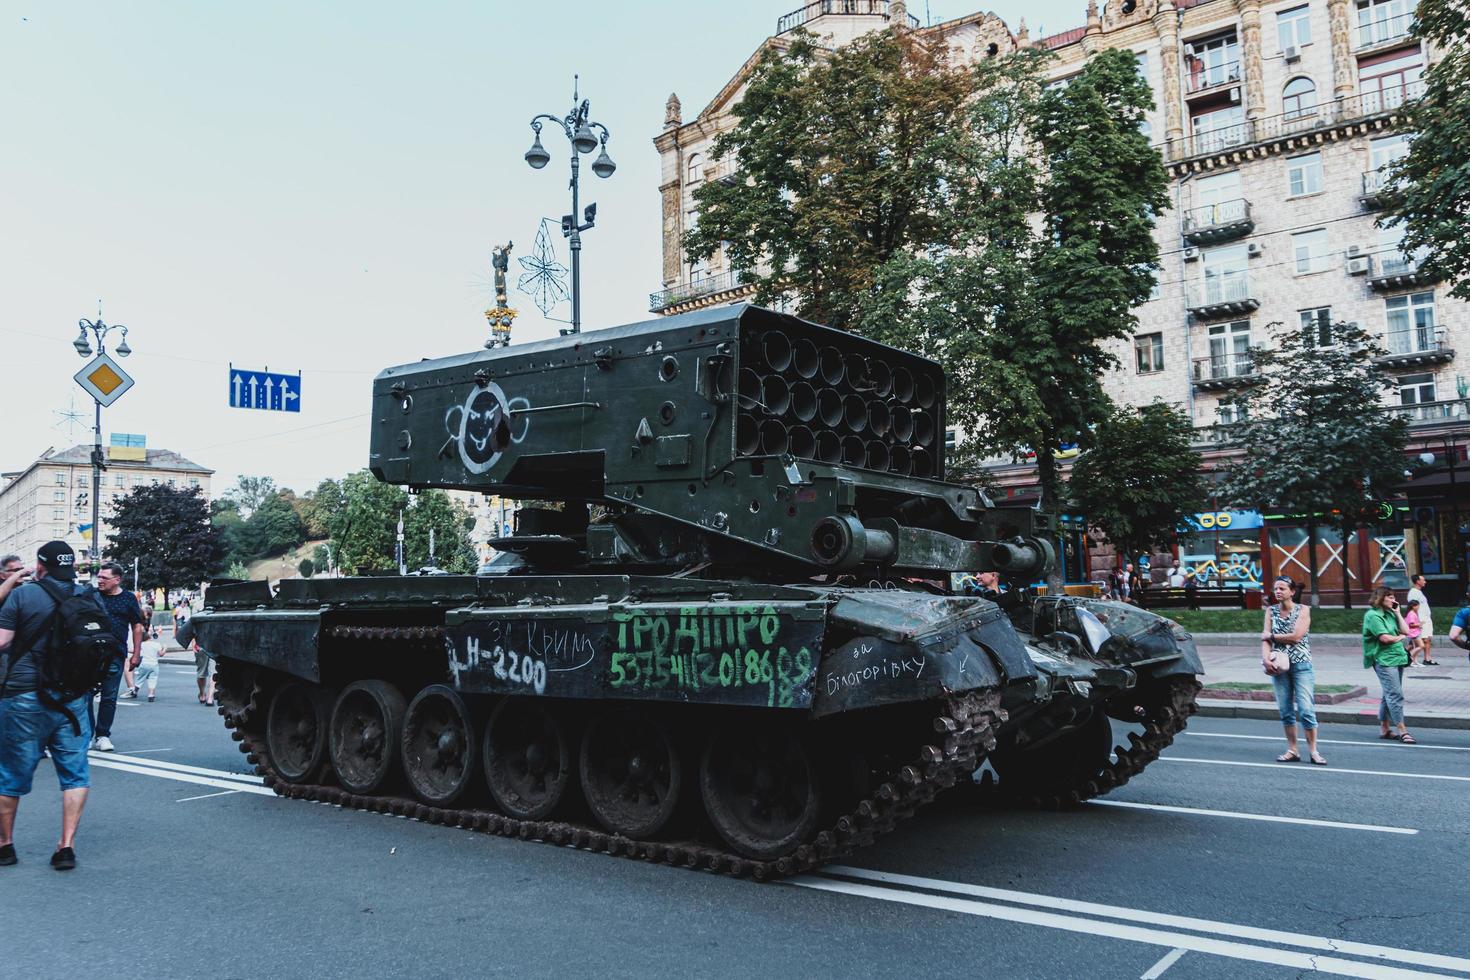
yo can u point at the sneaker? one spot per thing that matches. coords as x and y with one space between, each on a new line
102 744
7 855
132 693
64 859
152 698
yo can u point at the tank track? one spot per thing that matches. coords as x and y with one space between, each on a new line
1166 719
966 728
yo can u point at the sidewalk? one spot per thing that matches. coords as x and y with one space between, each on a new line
1434 697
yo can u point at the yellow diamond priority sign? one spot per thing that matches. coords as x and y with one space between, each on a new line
104 379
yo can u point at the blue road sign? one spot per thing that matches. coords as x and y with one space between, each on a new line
264 390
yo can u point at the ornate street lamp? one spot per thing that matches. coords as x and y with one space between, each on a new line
99 330
583 134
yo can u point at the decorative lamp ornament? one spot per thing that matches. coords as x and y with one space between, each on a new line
537 156
603 165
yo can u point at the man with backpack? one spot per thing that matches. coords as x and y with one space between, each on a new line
57 643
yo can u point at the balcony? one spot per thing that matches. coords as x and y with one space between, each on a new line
849 8
1384 31
1298 122
1428 413
1377 189
1224 295
1218 222
1205 78
1394 272
1421 345
704 288
1220 372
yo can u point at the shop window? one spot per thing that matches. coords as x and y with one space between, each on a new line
1317 326
1309 251
1294 27
1304 174
1148 352
1298 98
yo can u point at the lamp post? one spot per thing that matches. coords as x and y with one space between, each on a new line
579 132
99 331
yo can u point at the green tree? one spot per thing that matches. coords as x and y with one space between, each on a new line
321 557
319 508
1431 186
306 568
224 514
273 528
454 551
168 531
1140 477
842 156
249 492
364 532
1322 447
237 570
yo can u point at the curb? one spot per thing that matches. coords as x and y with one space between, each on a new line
1328 716
1226 694
1324 641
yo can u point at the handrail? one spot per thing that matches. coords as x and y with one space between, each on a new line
818 8
704 286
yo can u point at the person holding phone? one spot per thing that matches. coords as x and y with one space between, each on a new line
1384 634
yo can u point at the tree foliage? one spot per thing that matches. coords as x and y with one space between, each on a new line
364 530
249 492
1319 445
1432 184
168 530
306 568
454 551
1140 478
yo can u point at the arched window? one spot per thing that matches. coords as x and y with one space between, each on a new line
696 169
1299 98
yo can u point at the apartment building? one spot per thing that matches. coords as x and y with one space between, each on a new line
51 498
1275 119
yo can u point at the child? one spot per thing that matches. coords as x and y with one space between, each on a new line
147 670
1411 620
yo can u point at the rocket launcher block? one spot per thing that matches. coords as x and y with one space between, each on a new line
775 438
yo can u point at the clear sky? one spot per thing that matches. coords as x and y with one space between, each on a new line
315 187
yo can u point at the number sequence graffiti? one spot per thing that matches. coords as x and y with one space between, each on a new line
520 653
711 649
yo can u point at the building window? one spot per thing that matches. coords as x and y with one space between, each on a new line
193 481
1384 20
1309 249
61 479
1317 326
1410 322
1225 277
1212 61
1304 174
695 169
1230 349
1298 98
59 496
1219 128
1416 392
1231 412
59 514
1148 352
1294 27
1386 81
118 480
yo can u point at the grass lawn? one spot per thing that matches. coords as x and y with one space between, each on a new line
1252 686
1249 620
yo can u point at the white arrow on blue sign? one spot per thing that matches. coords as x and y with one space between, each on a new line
264 390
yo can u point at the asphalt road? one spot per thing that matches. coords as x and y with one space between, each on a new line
192 871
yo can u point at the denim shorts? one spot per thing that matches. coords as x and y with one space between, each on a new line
27 726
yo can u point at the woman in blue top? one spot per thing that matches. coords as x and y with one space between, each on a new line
1285 630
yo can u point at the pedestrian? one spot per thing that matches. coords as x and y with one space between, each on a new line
203 672
13 573
1384 633
988 587
30 723
1176 577
147 672
1138 582
1413 628
1426 621
1460 626
1191 590
1286 653
126 618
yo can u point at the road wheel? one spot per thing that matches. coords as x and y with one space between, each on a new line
296 731
441 755
528 758
760 789
366 724
631 773
1063 764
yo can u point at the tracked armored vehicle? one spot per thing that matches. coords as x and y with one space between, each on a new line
725 640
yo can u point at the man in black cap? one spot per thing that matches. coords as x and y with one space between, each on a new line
27 724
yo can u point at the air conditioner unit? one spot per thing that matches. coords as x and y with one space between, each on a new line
1253 249
1291 53
1235 94
1357 267
1354 250
1191 254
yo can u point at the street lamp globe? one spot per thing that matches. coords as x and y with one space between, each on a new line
603 165
123 350
83 348
537 156
584 139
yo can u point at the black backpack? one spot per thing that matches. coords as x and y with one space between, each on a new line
81 648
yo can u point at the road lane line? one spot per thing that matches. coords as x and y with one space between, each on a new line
1303 766
1265 817
1114 930
146 751
175 767
1234 930
1157 970
1383 743
182 777
208 796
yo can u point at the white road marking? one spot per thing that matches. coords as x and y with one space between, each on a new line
183 777
176 767
1377 743
1170 958
1303 766
1113 930
1266 817
146 751
207 796
1274 936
